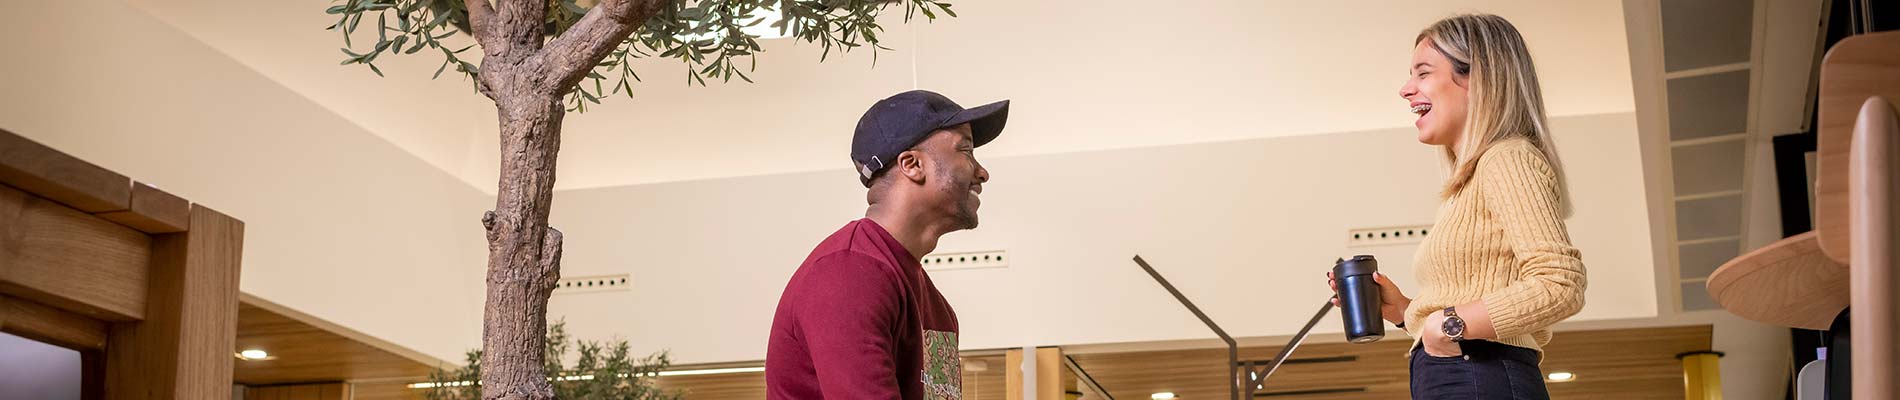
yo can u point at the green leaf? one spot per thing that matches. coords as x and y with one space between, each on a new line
438 70
372 68
440 17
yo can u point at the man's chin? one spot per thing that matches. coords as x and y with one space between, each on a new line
969 222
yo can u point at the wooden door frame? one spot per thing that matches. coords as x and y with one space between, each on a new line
142 283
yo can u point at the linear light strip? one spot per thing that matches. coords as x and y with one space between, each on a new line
688 372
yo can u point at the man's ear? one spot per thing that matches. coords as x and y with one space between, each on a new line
910 164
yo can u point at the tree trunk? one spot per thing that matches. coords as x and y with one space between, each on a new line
524 253
527 77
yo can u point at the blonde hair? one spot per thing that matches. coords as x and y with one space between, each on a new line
1506 101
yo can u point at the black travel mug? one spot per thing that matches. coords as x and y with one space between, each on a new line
1359 299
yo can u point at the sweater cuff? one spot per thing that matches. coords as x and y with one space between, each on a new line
1510 313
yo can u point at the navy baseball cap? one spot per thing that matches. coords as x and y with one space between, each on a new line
899 122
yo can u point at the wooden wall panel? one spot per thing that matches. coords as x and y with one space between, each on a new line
1048 372
184 348
750 385
987 382
1620 364
984 383
312 391
399 390
305 352
64 258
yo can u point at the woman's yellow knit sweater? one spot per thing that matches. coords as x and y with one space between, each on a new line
1501 239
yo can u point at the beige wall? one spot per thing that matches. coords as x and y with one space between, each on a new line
339 223
1214 71
1246 228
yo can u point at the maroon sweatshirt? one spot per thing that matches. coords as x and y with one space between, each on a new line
861 320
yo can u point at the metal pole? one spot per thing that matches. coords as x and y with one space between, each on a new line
1234 366
1297 339
1085 377
1233 349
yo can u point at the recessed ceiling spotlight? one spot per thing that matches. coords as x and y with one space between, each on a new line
1163 396
254 355
1560 376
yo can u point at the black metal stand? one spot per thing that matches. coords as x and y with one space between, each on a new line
1255 379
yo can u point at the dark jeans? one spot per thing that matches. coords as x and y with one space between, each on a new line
1487 370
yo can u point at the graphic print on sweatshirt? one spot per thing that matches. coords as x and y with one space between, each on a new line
943 370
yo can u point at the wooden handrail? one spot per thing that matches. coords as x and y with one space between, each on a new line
1872 171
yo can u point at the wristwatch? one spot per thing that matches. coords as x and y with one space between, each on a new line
1454 326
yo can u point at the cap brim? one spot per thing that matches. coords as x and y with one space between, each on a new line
986 121
1788 283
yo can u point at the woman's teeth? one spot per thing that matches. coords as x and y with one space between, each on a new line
1421 109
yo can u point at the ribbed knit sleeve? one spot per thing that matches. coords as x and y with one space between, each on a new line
1520 190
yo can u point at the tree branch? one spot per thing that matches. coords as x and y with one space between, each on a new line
569 57
480 16
510 30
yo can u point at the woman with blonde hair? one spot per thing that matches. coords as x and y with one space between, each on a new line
1498 270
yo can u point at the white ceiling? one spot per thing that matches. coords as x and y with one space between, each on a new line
1084 75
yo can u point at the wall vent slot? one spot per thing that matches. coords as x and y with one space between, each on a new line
1386 236
966 260
591 284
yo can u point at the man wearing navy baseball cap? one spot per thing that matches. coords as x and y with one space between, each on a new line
860 319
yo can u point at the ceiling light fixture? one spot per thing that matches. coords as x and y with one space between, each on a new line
1163 396
254 355
688 372
713 371
432 385
1560 376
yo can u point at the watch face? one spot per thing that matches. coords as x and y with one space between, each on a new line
1455 327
